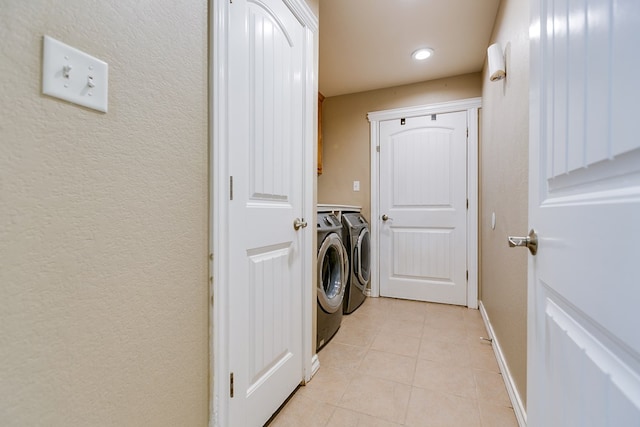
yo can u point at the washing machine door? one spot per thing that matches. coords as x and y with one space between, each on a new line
331 273
362 257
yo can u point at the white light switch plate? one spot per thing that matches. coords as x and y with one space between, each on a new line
72 75
356 185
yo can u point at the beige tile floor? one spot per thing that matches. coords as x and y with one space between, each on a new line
404 363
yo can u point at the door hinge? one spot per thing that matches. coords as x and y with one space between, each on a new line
467 204
230 188
378 148
467 275
467 132
231 384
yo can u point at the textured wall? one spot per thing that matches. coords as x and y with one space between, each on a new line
504 184
345 132
103 219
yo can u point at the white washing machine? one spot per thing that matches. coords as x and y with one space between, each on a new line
332 275
357 241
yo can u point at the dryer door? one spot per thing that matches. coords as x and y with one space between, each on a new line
362 256
331 273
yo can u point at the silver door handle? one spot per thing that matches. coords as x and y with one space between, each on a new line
385 218
531 242
299 223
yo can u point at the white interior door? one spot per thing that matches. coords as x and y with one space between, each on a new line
423 208
584 343
266 135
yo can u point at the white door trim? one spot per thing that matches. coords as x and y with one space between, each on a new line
219 197
471 106
310 363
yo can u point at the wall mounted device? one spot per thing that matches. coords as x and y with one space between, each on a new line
497 70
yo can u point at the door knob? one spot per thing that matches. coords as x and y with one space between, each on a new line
299 223
531 242
385 217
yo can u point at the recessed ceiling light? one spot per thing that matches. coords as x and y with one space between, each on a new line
422 54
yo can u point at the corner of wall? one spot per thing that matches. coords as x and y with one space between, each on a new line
504 189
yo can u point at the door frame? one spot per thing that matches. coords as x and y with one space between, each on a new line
218 95
471 106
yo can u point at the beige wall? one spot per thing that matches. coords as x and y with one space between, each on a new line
103 219
504 184
345 132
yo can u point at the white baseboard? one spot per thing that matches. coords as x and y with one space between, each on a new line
514 396
315 365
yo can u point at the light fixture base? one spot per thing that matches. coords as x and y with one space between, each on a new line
422 53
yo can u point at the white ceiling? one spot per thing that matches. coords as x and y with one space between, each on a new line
367 44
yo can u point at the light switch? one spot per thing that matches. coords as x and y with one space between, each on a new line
72 75
356 185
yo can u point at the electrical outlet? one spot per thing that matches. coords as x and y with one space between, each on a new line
356 185
72 75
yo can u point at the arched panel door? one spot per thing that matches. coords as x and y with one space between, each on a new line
266 86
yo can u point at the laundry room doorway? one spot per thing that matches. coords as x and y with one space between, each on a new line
263 70
424 202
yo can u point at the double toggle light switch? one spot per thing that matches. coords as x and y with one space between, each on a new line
72 75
